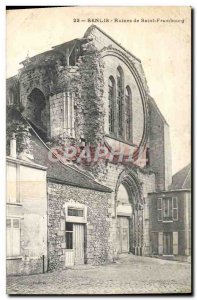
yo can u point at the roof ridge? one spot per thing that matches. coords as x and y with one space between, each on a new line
107 35
152 100
187 166
186 177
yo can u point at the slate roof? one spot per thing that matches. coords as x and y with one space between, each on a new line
152 102
57 171
182 179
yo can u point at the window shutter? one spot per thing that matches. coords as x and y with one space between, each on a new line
175 208
159 209
175 243
160 242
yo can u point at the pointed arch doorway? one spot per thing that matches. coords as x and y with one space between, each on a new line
129 214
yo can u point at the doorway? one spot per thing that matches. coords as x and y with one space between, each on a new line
167 243
74 254
123 234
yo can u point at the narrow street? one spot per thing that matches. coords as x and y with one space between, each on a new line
129 275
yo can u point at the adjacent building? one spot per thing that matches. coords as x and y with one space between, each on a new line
170 223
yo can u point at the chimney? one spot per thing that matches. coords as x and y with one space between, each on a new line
13 146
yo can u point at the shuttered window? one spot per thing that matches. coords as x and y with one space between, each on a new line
12 237
167 209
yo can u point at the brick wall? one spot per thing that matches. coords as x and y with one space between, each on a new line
98 244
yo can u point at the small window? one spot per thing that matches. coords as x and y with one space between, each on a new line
76 212
13 237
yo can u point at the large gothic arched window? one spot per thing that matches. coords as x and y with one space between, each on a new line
120 99
128 114
111 97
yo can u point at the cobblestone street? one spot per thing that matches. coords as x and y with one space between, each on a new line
130 275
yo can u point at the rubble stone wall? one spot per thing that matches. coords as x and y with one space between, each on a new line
99 248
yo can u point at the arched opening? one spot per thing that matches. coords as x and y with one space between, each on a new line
120 99
111 98
37 110
129 214
11 99
128 114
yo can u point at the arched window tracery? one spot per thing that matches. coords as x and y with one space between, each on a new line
112 101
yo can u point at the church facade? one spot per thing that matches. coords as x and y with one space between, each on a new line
103 142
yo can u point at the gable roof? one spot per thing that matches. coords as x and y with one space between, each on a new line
182 179
57 171
92 27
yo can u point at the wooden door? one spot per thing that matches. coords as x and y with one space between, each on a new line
74 244
78 239
167 243
123 234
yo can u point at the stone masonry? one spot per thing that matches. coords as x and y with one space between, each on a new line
99 248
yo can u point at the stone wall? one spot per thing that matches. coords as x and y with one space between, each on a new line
146 179
111 64
102 40
87 85
56 114
148 186
99 248
157 146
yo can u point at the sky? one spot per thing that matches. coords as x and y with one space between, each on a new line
163 47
